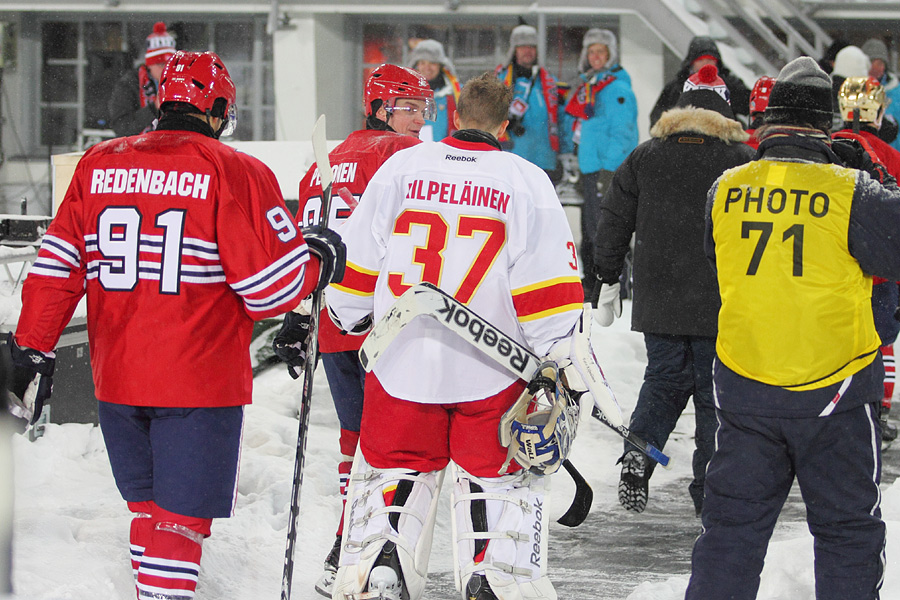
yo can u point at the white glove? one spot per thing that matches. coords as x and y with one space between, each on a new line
575 358
609 304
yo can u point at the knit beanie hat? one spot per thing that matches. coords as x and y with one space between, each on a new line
431 51
598 36
801 95
160 45
875 48
705 89
851 62
522 35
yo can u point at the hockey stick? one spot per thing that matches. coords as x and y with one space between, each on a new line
320 149
426 299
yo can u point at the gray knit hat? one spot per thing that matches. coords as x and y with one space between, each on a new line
801 95
432 51
598 36
522 35
875 48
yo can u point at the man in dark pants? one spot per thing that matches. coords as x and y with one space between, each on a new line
796 237
659 194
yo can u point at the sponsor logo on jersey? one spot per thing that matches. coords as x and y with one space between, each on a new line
459 158
150 181
342 173
469 324
466 194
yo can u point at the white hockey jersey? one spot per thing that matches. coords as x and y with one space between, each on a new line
483 225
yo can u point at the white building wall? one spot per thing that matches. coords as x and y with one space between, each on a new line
642 56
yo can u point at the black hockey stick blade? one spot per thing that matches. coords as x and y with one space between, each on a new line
581 503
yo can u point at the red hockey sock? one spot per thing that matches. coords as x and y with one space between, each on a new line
170 564
141 528
890 375
349 440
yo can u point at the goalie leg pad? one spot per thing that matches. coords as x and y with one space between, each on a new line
500 527
387 505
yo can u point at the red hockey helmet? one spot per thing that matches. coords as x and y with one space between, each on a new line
201 80
390 82
759 95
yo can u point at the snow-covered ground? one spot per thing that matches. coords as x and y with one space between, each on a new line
71 527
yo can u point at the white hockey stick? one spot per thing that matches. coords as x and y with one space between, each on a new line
320 149
428 300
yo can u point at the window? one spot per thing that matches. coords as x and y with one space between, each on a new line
82 59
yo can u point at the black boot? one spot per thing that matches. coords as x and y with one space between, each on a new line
326 581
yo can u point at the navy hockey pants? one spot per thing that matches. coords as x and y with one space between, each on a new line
837 463
184 459
678 367
347 380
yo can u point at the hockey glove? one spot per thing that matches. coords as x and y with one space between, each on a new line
580 369
855 156
292 341
609 304
327 245
31 381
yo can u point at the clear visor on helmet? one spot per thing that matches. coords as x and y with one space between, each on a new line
230 121
413 106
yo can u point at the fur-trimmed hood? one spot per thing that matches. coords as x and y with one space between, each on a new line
698 120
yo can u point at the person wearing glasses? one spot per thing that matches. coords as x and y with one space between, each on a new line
397 102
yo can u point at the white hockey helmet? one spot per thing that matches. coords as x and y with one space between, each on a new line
540 427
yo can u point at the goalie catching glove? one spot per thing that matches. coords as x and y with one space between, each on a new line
540 427
328 247
580 369
32 380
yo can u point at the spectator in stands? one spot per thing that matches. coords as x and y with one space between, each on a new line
702 51
133 106
877 52
429 59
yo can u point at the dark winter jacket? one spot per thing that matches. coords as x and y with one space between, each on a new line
874 216
659 194
700 46
126 116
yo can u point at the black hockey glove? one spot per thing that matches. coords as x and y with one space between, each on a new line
31 381
327 245
855 156
292 341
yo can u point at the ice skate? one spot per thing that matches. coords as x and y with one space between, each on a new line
478 588
385 578
634 483
326 581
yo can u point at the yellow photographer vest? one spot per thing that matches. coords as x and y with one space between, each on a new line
796 307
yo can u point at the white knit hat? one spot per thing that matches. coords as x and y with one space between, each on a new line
851 62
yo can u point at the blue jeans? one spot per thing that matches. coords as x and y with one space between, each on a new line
678 367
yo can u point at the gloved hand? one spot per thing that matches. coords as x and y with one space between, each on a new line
327 245
31 380
292 341
609 304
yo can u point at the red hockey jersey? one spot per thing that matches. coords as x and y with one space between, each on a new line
180 243
353 163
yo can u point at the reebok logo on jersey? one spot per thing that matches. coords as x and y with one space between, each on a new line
150 181
460 158
481 333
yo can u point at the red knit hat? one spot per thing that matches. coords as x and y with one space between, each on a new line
160 45
707 78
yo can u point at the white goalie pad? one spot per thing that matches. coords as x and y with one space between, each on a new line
367 526
516 523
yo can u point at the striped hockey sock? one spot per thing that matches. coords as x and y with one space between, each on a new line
170 564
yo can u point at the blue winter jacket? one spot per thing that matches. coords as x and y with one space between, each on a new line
534 145
612 133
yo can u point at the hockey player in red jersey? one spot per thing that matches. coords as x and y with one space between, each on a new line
180 244
487 227
397 102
